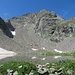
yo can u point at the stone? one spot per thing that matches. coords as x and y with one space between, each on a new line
43 71
20 67
15 73
53 70
9 72
31 73
70 72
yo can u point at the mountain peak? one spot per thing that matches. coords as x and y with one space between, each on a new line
40 29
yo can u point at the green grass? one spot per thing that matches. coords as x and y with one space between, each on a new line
26 67
67 65
73 54
46 53
55 54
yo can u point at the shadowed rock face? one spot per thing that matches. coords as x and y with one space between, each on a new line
6 28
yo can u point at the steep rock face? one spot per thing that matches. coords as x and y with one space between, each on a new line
38 30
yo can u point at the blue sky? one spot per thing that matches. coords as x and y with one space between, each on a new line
11 8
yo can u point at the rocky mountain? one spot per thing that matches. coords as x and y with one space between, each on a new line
44 29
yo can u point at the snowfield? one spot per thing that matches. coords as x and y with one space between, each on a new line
5 53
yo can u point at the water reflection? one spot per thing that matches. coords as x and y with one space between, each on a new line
36 59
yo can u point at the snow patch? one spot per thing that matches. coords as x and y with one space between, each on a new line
43 48
34 57
56 57
58 51
34 49
5 53
13 33
43 58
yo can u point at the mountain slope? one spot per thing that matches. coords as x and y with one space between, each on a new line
40 30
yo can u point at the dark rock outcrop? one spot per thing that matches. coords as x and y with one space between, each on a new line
6 27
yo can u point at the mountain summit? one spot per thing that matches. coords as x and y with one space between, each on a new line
37 30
